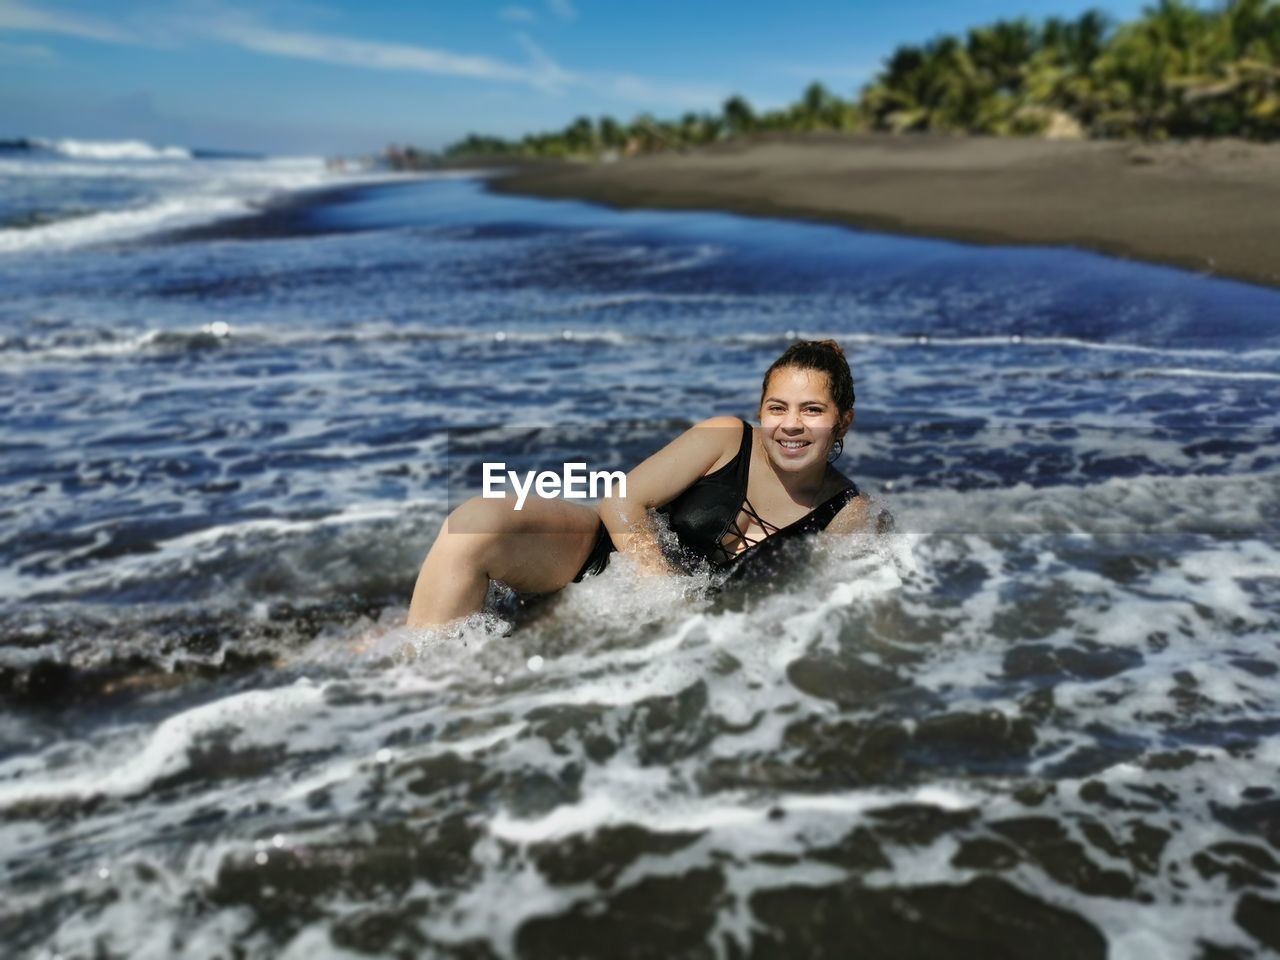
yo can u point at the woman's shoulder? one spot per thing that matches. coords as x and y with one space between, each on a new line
721 423
724 436
837 482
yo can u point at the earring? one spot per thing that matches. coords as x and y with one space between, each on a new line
837 449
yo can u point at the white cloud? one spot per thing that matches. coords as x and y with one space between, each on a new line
25 53
554 76
375 55
19 17
633 89
620 86
517 14
212 20
564 9
542 72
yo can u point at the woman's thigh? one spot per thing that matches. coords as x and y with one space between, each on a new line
541 547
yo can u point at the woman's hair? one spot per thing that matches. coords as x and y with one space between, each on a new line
823 355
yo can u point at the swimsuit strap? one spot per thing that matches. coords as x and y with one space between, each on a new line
740 535
743 471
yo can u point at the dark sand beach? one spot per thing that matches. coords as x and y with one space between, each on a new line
1207 206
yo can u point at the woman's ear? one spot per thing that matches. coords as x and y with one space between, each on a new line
846 421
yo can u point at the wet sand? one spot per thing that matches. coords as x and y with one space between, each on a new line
1211 207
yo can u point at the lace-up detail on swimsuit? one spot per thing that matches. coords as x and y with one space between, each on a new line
726 555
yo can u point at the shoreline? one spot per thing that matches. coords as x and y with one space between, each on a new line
1210 207
279 217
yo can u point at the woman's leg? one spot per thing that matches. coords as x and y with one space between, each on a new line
537 549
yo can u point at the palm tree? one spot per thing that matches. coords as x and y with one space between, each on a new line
1001 53
933 88
1236 88
1060 74
818 109
1137 75
612 135
648 135
580 136
738 115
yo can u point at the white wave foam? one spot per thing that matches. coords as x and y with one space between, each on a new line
758 838
112 149
1205 374
98 343
122 224
132 766
172 195
704 253
183 551
1145 506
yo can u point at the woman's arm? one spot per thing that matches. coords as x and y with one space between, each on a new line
856 516
852 518
659 480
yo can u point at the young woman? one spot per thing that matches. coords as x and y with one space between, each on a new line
723 485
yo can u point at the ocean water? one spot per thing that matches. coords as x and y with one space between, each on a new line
1039 717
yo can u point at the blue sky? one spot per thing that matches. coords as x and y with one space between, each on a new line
332 76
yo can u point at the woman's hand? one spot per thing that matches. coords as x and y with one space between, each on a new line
645 549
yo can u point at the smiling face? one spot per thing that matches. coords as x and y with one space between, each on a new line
799 420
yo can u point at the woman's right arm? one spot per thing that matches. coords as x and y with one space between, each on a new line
659 480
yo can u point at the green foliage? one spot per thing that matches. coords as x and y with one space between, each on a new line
1177 71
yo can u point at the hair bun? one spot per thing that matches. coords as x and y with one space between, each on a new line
824 355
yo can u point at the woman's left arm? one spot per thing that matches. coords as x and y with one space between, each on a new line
853 517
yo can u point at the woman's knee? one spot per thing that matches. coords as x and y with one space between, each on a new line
472 532
481 517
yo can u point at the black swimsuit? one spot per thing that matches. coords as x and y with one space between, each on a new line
704 514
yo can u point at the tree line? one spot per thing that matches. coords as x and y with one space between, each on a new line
1178 71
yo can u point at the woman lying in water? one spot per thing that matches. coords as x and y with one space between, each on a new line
723 485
